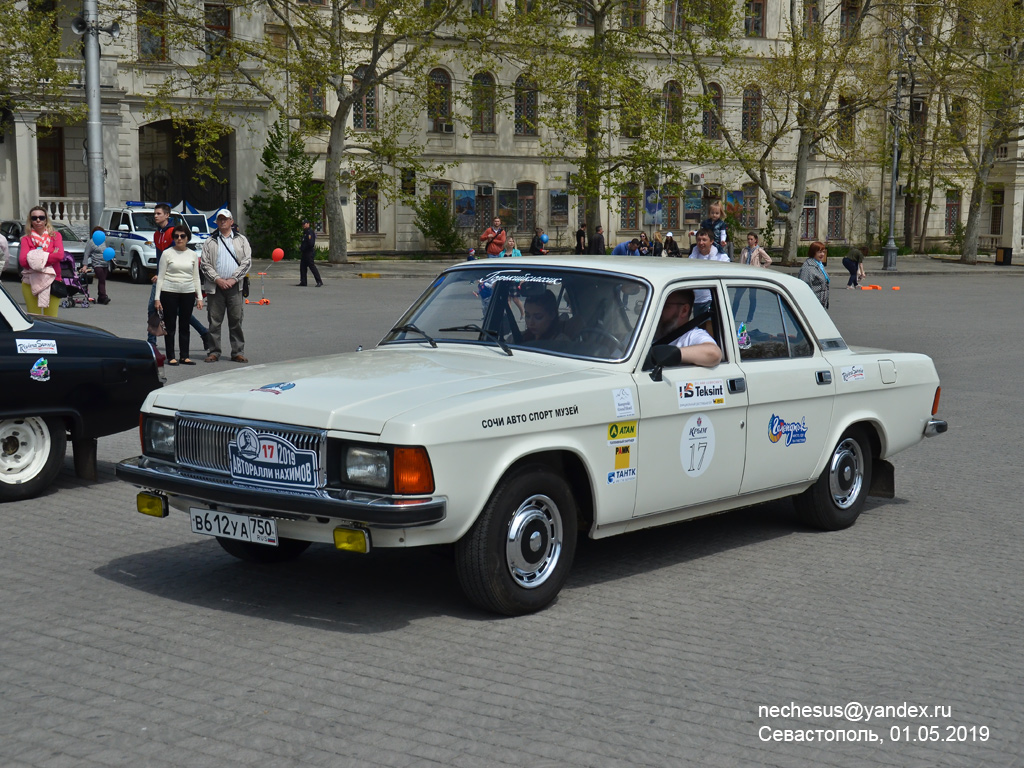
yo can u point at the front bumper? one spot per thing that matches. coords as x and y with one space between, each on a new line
348 506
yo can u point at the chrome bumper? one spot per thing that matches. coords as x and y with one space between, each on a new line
216 490
935 427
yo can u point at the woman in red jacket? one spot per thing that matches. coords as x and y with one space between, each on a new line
41 234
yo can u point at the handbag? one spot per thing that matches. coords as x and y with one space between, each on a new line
155 325
245 286
58 289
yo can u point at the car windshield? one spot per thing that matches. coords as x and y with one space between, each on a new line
566 312
67 234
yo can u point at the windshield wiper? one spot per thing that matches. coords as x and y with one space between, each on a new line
410 328
489 334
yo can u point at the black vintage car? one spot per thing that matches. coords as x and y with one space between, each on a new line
63 380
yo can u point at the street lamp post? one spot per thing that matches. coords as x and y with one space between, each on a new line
889 249
88 26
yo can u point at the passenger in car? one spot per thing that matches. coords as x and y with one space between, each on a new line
697 346
542 322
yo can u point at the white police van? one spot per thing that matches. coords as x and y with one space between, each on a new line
130 230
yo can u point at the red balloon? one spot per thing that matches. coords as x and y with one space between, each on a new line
277 255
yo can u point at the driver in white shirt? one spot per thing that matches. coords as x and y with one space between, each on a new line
697 346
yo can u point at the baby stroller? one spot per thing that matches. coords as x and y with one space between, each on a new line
76 283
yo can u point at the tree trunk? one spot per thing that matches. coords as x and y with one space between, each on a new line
973 229
333 187
803 151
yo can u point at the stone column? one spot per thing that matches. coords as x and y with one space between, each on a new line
26 170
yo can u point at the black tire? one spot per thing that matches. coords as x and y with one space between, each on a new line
517 555
286 549
136 271
837 497
31 454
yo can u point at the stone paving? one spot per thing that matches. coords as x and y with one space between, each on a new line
128 641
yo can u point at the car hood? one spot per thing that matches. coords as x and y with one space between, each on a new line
358 391
42 327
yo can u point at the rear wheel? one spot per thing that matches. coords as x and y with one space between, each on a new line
837 497
286 549
31 453
517 555
136 271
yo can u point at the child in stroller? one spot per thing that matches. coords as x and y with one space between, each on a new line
76 282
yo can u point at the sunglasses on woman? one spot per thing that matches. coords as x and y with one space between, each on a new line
38 218
181 237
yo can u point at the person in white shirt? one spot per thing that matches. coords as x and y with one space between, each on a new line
697 346
706 251
178 289
225 259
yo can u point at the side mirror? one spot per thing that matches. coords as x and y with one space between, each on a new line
664 356
123 228
195 230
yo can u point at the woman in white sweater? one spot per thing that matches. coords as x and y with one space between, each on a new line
178 289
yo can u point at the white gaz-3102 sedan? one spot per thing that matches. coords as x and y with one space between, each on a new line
521 402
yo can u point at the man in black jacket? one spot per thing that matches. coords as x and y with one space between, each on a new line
597 242
307 249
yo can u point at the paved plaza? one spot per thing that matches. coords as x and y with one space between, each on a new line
129 641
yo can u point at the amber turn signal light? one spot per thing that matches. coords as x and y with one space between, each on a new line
935 402
412 472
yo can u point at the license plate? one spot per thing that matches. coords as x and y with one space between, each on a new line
212 522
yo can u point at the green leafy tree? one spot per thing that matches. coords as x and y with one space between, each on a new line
289 195
434 218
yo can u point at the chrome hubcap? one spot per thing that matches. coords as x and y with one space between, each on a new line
24 447
846 474
534 541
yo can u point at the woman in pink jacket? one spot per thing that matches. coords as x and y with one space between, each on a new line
41 234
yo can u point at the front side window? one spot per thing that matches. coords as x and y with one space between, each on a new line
569 313
766 326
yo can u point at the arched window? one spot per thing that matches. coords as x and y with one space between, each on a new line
364 109
525 107
629 207
809 217
483 102
367 207
751 126
672 95
442 190
836 216
439 102
526 216
712 109
748 218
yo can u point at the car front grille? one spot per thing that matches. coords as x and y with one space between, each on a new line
202 442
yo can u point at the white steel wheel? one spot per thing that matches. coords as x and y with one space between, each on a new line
31 452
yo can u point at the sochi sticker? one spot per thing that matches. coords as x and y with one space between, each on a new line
697 445
41 370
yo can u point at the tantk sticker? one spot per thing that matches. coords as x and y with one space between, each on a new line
697 445
41 370
275 389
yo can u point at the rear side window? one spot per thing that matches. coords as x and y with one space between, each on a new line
766 325
115 220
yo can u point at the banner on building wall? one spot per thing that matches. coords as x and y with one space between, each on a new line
558 211
784 207
465 207
734 198
654 208
508 206
692 201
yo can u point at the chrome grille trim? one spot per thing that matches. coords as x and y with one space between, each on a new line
201 442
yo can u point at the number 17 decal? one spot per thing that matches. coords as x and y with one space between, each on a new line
697 445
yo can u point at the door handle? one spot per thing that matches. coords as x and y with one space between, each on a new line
737 385
823 377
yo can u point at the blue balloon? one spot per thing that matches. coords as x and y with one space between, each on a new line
108 254
543 238
99 237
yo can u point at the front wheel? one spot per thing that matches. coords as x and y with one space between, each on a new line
517 555
31 453
837 497
136 271
286 549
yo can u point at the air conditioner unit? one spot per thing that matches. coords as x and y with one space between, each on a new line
695 178
901 190
448 128
485 190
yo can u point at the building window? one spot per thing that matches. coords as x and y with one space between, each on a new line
670 208
364 109
585 14
363 5
484 206
748 217
809 217
152 27
367 206
439 101
442 191
675 16
525 107
218 29
812 16
633 14
846 127
629 207
952 210
50 149
849 14
483 8
996 219
672 95
712 109
484 96
526 214
753 20
525 6
918 119
836 216
751 125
